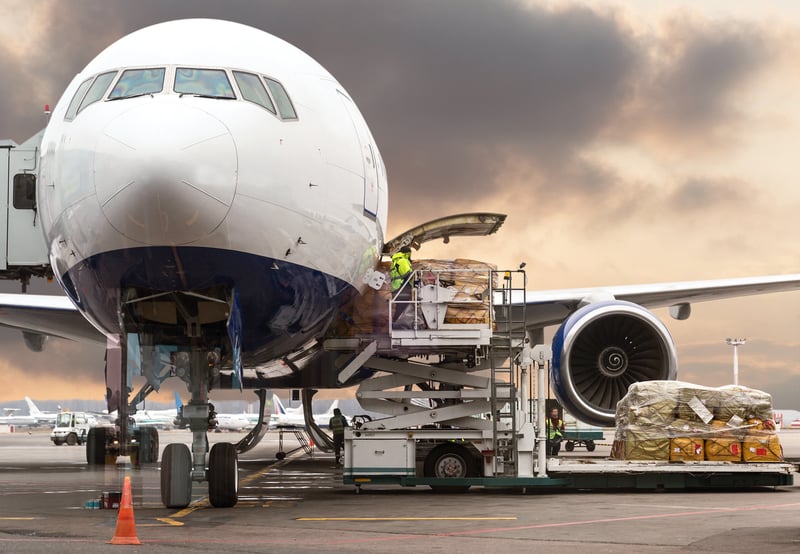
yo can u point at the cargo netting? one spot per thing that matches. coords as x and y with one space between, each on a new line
676 421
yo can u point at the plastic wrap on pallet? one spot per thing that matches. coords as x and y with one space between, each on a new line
695 423
368 313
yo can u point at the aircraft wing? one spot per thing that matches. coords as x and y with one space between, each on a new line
551 307
48 315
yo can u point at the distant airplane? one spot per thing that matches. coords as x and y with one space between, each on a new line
12 418
42 418
209 197
295 417
235 422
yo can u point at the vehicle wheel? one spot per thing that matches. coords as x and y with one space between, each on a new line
96 446
569 446
72 439
280 455
148 445
223 475
58 442
449 461
590 446
176 476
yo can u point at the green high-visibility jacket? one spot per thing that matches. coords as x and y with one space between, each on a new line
337 424
401 269
553 432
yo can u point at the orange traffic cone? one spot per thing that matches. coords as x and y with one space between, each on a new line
126 526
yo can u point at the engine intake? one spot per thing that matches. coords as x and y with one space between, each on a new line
600 350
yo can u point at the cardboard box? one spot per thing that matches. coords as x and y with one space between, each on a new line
762 447
723 449
686 449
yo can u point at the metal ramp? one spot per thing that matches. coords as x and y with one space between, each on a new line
302 440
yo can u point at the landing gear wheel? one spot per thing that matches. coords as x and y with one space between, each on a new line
148 445
448 461
569 446
96 446
590 446
223 475
176 476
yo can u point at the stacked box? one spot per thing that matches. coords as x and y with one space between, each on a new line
762 447
722 449
645 444
742 402
647 404
687 428
686 449
694 401
368 313
690 422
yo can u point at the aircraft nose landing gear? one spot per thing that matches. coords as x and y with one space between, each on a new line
179 466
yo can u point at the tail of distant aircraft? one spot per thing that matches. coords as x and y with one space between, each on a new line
277 406
32 408
333 407
178 402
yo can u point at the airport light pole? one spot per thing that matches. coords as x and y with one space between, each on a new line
736 343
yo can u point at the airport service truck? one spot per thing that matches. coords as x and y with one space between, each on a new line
72 428
453 374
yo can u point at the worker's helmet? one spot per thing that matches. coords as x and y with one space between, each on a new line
406 249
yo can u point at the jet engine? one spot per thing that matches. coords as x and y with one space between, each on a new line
600 350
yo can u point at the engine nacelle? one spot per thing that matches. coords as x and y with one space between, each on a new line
600 350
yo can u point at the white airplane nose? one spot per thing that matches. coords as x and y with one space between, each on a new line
165 174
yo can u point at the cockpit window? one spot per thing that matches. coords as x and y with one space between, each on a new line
76 100
253 89
137 82
98 89
212 83
281 99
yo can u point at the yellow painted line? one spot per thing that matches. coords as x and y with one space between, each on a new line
205 503
404 518
10 518
169 521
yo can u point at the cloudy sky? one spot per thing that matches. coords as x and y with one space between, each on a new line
627 142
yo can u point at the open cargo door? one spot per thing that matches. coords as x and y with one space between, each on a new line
460 225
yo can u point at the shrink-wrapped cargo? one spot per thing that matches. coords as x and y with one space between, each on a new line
368 313
722 424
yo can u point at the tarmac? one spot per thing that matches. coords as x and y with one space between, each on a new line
301 505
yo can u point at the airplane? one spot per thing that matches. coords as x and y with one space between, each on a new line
12 418
235 422
48 418
210 195
295 417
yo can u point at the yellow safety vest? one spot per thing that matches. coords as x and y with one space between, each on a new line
401 267
552 433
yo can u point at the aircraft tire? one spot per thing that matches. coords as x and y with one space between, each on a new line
96 446
223 475
449 460
176 476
